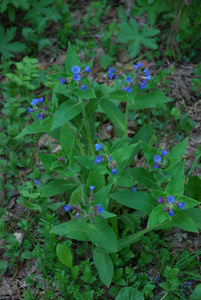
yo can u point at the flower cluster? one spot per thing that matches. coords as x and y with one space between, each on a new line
35 102
170 204
111 164
158 158
76 211
77 73
138 76
97 210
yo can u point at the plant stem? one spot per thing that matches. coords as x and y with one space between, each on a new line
91 144
126 120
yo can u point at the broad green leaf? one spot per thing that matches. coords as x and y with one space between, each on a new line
56 205
137 200
75 271
88 163
47 160
176 184
92 107
114 113
193 187
104 266
149 100
157 216
149 153
144 177
64 255
36 127
122 154
129 293
189 201
27 255
66 111
59 229
77 230
71 59
118 95
86 94
58 186
66 140
196 294
97 180
102 196
30 205
184 222
3 266
102 234
78 196
195 214
59 89
124 179
178 150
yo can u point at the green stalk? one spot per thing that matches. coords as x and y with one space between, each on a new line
91 144
126 120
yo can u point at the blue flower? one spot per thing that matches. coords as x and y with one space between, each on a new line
170 199
34 102
139 64
75 69
92 187
109 158
156 166
62 80
30 109
110 75
98 147
87 69
114 171
128 79
83 87
96 163
40 116
76 77
182 205
99 158
147 75
128 89
134 189
100 209
171 213
111 69
40 100
117 77
37 182
143 84
163 152
67 207
157 158
135 67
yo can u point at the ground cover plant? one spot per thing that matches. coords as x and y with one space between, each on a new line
100 196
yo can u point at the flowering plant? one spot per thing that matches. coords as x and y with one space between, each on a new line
100 179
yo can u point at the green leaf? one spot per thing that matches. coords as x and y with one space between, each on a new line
77 230
178 150
184 222
36 127
149 100
149 153
176 184
58 186
55 206
48 160
6 46
3 266
129 32
78 196
129 293
66 140
58 92
102 196
59 229
118 95
141 201
71 59
122 154
66 111
195 214
86 94
114 113
124 179
102 234
27 255
193 187
106 61
144 177
157 216
75 271
189 201
64 255
196 294
104 266
88 163
97 180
